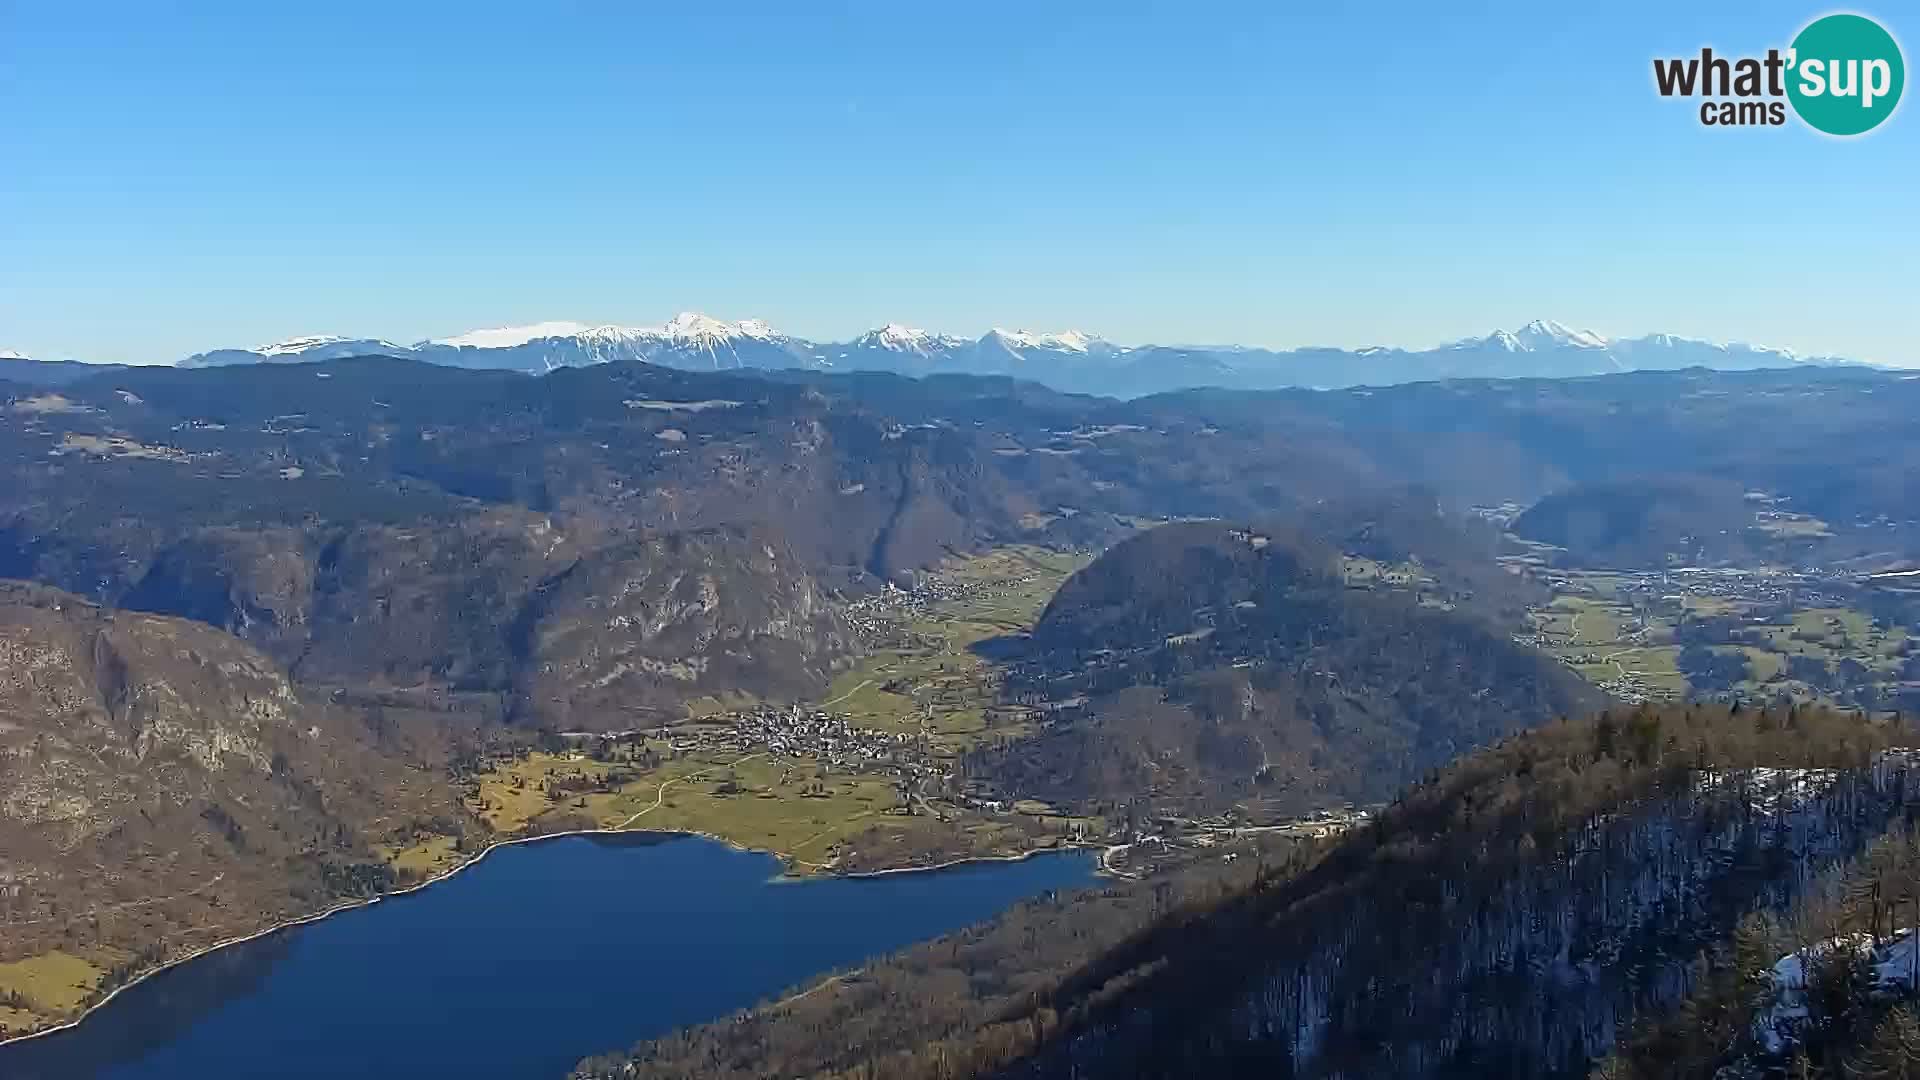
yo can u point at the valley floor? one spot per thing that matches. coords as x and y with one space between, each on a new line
862 781
1760 635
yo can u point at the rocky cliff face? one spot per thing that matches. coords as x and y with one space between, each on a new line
598 633
631 631
206 792
89 695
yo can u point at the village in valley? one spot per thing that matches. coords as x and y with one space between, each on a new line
873 774
1772 634
870 777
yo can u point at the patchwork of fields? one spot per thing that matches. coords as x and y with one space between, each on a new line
1675 640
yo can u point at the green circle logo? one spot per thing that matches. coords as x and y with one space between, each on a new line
1845 74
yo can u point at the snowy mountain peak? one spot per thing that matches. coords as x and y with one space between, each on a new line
894 337
1547 334
893 334
507 337
692 324
1068 359
1769 350
613 335
1709 353
9 354
687 328
708 334
1064 341
298 345
1537 336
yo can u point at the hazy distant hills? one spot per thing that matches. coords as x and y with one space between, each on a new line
883 474
17 368
1069 360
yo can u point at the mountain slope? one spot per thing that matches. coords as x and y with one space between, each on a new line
1207 666
20 369
162 785
631 632
388 520
1822 987
400 532
1636 522
1505 917
1067 360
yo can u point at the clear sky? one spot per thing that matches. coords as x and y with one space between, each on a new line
181 177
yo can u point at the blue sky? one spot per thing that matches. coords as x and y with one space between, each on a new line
230 174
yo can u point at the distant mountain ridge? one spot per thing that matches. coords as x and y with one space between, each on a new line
1067 360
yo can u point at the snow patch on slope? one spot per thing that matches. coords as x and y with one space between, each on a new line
686 328
507 337
1064 341
298 345
1545 333
1892 966
894 337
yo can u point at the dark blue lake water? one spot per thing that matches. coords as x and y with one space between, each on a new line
540 955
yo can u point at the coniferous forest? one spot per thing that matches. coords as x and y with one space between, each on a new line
1590 894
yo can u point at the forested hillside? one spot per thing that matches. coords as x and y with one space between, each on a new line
1204 666
1509 916
430 556
1828 988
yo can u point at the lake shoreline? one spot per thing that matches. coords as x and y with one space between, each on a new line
453 871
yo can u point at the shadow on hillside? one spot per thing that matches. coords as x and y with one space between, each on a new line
1003 648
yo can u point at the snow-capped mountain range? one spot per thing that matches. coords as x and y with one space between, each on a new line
1067 360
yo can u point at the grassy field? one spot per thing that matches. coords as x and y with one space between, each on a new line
1650 667
424 859
1832 634
53 985
1764 665
780 817
795 809
939 687
1582 623
1020 580
1611 636
798 811
932 685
